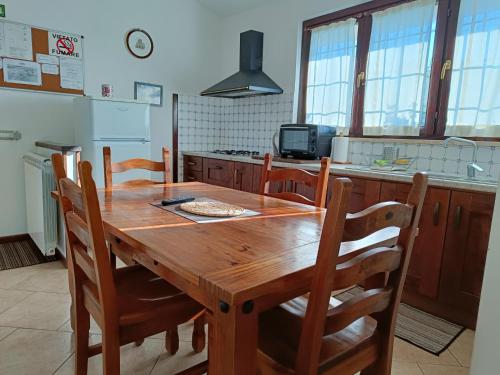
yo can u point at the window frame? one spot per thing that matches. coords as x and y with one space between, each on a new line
439 89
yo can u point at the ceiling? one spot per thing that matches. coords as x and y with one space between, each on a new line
229 7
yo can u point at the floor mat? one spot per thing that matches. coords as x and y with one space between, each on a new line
417 327
21 253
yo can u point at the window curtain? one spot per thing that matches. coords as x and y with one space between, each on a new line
330 80
398 70
474 103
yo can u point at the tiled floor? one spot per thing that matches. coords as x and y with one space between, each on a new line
36 338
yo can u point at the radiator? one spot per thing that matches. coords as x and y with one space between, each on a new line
41 209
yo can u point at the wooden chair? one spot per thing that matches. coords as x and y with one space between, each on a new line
128 303
126 165
317 334
319 182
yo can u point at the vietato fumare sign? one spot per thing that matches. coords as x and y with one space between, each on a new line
65 45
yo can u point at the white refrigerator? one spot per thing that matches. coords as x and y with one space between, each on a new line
485 360
123 125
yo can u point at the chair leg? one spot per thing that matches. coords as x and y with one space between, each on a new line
82 328
139 342
72 315
383 365
172 340
378 368
110 354
199 337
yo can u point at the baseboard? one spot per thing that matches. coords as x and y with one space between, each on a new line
60 257
15 237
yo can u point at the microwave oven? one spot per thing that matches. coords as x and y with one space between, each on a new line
305 141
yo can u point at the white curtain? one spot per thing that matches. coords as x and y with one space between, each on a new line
398 71
330 80
474 104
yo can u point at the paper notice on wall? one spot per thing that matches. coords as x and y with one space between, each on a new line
64 44
2 39
18 43
50 69
47 59
22 72
71 71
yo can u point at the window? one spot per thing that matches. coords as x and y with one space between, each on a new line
404 68
474 101
330 83
398 70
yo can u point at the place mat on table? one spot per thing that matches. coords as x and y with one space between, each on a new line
175 209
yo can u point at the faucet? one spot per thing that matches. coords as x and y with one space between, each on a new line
472 166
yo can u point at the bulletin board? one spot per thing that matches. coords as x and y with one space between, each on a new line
55 64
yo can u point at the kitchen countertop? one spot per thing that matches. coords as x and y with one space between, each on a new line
487 186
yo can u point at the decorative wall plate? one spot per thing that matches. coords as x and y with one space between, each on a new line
139 43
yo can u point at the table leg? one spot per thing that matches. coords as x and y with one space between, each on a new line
233 340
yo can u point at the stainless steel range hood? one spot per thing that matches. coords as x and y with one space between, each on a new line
250 80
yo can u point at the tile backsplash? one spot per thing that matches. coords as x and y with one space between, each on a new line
208 124
431 156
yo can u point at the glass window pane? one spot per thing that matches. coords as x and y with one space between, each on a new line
398 69
474 103
330 80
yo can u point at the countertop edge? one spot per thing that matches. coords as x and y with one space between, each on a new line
344 170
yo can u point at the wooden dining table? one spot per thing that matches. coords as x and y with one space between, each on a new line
236 268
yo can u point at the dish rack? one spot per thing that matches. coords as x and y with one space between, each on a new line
379 163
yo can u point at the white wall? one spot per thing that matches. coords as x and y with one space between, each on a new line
185 59
487 339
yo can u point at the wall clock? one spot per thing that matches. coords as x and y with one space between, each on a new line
139 43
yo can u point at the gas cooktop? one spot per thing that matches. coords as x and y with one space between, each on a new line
237 152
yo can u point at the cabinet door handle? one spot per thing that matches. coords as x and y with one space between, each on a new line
218 167
191 163
458 216
437 208
236 174
190 178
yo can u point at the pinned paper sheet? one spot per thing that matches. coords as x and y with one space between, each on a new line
22 72
47 59
17 41
2 39
50 69
71 73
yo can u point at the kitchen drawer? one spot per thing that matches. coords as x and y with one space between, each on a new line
191 176
218 172
193 163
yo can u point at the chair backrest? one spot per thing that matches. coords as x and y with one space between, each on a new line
382 269
88 258
126 165
290 177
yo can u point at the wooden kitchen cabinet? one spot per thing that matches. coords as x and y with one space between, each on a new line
365 193
193 168
424 270
218 172
447 265
257 174
465 248
274 187
243 177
